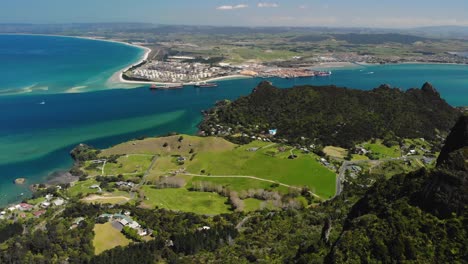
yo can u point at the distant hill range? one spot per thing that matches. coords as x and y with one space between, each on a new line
331 115
458 32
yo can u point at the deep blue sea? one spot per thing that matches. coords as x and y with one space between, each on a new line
39 127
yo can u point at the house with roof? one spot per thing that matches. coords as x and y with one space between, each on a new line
25 207
45 204
142 232
58 202
39 213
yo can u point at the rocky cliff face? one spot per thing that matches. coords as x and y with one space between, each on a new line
445 192
454 154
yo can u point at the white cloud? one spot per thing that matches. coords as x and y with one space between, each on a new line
232 7
267 5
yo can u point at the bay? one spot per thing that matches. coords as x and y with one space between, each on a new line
39 128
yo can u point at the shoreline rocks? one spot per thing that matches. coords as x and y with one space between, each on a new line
20 181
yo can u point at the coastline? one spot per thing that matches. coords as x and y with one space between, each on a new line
117 77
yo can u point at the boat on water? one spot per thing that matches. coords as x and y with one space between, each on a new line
205 85
323 73
166 86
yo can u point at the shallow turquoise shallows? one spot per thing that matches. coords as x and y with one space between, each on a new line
38 128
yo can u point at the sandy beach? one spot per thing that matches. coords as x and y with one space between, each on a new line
118 78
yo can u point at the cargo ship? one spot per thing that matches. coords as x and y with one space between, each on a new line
166 87
205 85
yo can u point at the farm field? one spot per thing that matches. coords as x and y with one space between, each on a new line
194 160
218 157
381 151
183 200
107 237
267 164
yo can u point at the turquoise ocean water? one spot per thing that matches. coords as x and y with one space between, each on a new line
39 126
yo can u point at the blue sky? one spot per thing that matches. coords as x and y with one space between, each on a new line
369 13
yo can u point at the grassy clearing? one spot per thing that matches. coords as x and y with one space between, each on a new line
129 164
154 146
183 200
106 237
394 167
357 157
335 152
303 171
381 151
37 200
82 187
216 156
108 198
237 184
252 204
162 166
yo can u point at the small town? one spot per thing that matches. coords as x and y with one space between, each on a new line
176 70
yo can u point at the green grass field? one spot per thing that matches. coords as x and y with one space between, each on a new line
252 204
155 146
106 237
236 184
218 157
130 164
303 171
183 200
82 187
116 197
335 152
382 151
359 157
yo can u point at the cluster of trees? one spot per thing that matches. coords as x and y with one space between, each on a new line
170 182
8 230
236 198
83 152
330 115
131 233
57 243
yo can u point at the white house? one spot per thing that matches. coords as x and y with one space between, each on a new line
142 232
124 222
58 202
45 204
134 225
